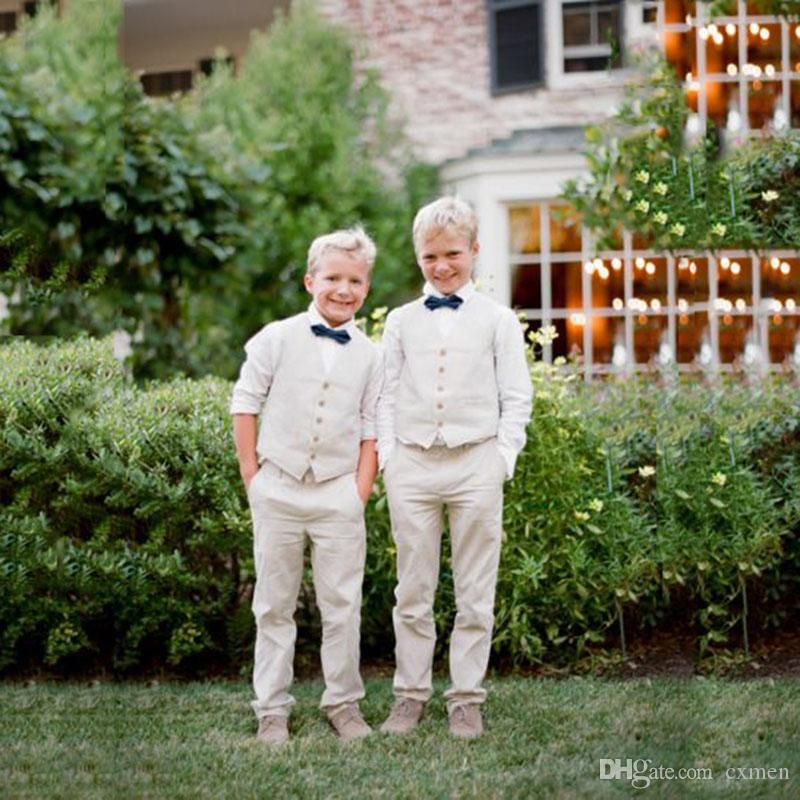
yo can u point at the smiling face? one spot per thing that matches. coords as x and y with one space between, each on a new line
339 286
446 260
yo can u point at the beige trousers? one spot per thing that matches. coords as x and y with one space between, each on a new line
331 514
468 481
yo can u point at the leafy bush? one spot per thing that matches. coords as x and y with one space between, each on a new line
125 537
185 221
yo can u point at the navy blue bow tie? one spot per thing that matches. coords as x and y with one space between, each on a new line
343 337
451 301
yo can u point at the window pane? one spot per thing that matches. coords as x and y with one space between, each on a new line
565 229
525 227
608 27
517 43
526 283
577 25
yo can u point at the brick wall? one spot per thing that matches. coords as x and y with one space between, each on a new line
433 56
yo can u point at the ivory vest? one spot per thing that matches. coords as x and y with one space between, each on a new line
310 419
448 384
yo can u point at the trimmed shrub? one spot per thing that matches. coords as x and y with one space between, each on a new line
125 539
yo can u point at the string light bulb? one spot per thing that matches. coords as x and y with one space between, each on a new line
736 268
785 268
650 268
764 34
730 29
754 28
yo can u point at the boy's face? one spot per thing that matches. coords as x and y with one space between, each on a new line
338 286
446 260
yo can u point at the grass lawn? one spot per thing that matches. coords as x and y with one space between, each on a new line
545 738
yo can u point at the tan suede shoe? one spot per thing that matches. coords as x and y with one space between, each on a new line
404 716
273 729
465 721
349 723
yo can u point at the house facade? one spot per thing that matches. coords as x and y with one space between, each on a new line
498 93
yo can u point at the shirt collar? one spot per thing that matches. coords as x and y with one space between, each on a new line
465 292
316 319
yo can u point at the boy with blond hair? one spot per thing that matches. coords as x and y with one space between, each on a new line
451 421
304 428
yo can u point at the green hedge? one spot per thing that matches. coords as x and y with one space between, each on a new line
125 538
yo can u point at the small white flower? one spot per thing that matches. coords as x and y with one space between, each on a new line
643 176
718 229
719 478
678 229
596 505
642 206
627 195
581 516
660 188
660 217
769 195
646 471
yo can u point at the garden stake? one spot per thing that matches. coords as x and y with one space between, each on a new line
621 619
744 617
674 167
733 201
733 454
691 180
608 470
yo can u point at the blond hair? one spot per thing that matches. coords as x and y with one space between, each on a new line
353 241
445 214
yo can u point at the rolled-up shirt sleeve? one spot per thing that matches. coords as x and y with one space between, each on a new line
514 388
369 400
255 377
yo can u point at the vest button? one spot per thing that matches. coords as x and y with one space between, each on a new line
313 456
439 424
315 439
440 388
440 405
441 369
443 352
319 419
326 385
321 403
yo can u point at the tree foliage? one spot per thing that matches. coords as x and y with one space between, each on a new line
186 220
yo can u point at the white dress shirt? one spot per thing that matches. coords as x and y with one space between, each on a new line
263 351
513 379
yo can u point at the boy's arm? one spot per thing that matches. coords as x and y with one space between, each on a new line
367 469
392 367
248 396
514 389
245 434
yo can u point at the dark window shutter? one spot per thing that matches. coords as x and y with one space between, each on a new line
516 35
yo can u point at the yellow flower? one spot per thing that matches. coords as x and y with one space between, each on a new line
643 176
642 206
660 217
719 478
769 196
646 471
596 505
678 229
718 229
581 516
661 188
627 195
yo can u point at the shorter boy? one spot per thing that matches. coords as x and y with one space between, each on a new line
308 465
451 421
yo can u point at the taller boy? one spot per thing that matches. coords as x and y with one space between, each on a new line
314 380
451 422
